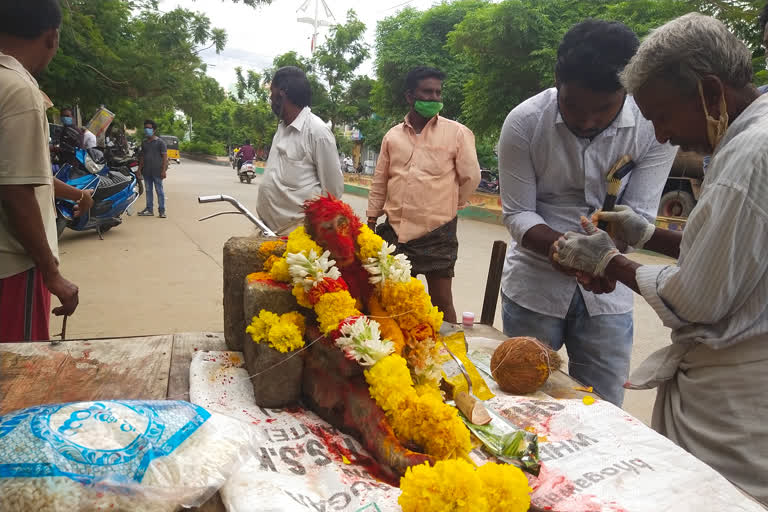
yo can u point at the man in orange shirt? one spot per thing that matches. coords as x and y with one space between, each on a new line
426 172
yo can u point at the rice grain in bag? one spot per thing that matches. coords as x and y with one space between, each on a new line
116 455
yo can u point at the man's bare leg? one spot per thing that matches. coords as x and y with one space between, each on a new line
442 297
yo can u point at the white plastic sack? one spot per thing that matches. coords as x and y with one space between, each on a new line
301 462
599 458
117 455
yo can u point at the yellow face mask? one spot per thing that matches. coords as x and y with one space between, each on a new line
715 127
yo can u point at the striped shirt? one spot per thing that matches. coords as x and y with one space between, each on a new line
550 176
717 293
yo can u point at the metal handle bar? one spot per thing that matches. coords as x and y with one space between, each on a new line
234 202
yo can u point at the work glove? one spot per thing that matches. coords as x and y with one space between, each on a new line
588 253
628 226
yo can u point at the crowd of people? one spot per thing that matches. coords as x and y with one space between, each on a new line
565 281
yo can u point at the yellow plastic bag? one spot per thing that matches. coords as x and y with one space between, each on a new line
453 375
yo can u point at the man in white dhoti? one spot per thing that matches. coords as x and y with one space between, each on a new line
692 79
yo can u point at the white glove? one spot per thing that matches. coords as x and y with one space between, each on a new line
628 226
589 253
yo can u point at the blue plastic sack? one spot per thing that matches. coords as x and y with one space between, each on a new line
91 455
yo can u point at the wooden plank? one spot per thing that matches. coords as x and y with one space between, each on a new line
184 347
559 384
40 373
493 282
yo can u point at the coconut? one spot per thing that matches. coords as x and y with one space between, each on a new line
522 365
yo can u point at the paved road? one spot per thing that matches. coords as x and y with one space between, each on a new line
154 276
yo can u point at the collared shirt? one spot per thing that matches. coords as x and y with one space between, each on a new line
303 164
717 293
24 158
421 180
550 176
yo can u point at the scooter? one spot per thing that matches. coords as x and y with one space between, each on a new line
246 172
114 191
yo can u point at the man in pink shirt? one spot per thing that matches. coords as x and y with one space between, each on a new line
426 172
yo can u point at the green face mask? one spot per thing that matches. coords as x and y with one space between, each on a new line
428 109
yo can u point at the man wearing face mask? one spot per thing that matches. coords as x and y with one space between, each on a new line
426 172
29 262
692 79
153 166
554 153
87 139
303 163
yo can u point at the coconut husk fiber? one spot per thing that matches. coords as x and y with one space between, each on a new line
522 365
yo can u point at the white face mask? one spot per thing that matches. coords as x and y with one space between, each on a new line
715 127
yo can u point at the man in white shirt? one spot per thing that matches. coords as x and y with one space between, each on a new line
88 139
303 162
692 79
554 153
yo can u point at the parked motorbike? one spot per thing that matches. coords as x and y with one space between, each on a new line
488 183
114 191
246 172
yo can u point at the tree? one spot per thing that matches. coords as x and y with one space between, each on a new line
519 38
129 56
412 38
336 61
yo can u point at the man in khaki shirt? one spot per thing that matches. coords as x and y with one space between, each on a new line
29 274
426 172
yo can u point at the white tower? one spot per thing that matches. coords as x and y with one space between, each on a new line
316 18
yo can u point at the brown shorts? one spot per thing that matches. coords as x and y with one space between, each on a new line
433 254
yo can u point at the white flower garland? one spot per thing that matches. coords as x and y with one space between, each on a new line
361 339
310 270
386 267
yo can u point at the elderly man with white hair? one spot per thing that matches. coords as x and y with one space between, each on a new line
692 79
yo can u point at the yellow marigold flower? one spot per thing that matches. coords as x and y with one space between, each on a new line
299 241
285 337
334 307
506 488
449 485
279 271
260 325
295 318
426 420
435 318
271 247
390 383
369 243
302 297
270 262
258 276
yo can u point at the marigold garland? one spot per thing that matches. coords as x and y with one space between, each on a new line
369 244
422 418
334 307
401 314
458 485
270 248
280 271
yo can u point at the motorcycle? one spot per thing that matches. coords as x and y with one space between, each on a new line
488 183
114 191
246 172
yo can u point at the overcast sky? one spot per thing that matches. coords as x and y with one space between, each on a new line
256 36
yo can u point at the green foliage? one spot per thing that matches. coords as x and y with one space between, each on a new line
486 152
205 148
412 38
335 62
131 57
343 143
